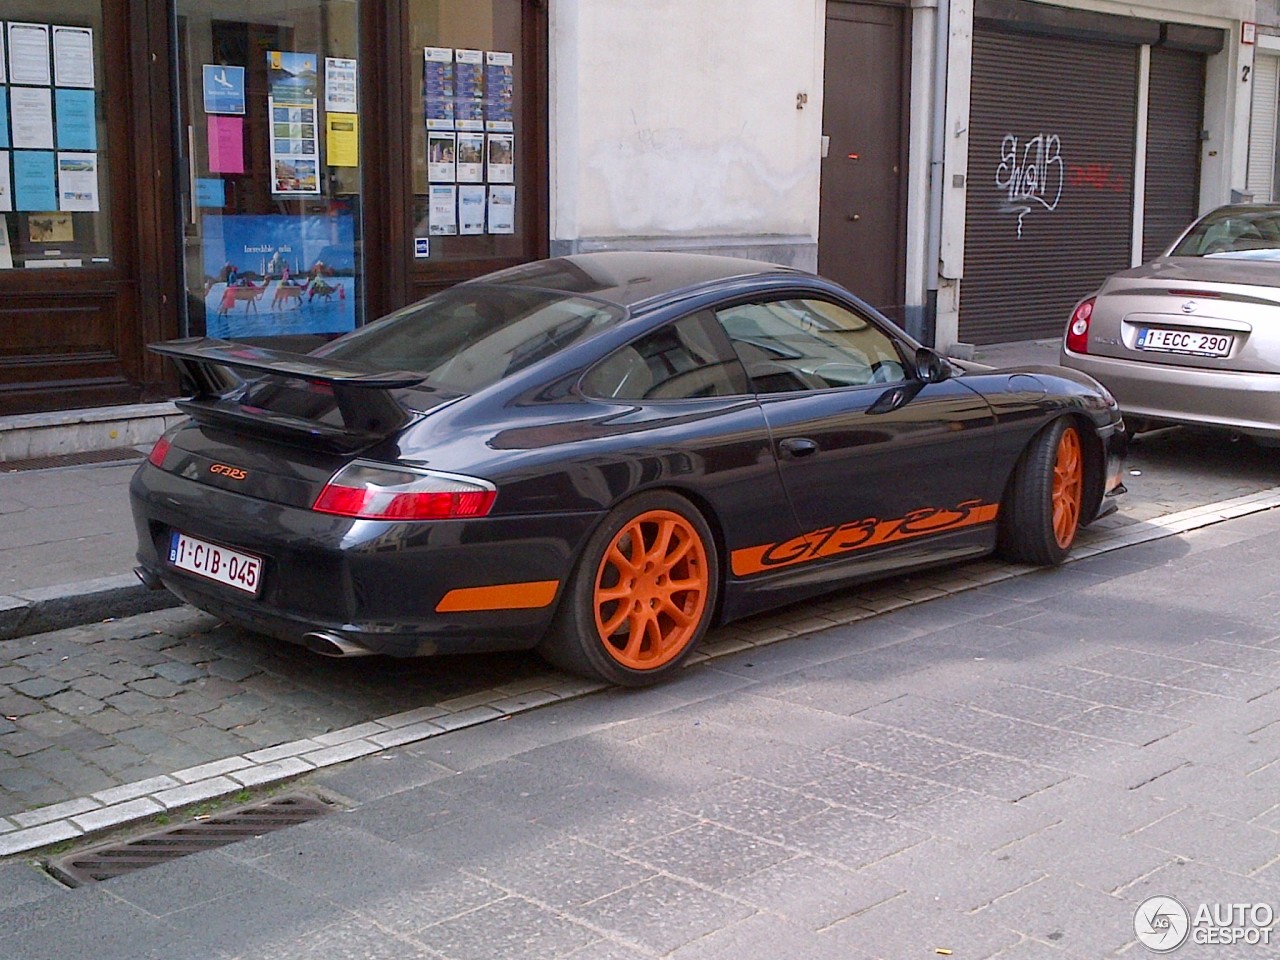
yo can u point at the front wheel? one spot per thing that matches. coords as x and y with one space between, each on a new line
1041 512
642 595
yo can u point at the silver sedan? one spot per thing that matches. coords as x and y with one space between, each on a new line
1193 337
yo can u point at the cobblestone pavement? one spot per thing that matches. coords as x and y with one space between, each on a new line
1007 772
149 706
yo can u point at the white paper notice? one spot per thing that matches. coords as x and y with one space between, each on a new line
502 158
31 111
502 209
340 85
6 254
471 202
6 185
443 216
29 53
73 56
77 181
4 71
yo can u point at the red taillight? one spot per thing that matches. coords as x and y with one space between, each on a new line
1078 328
159 452
372 492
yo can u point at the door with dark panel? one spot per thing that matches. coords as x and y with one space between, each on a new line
861 239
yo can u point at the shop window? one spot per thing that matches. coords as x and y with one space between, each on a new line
270 117
470 135
54 203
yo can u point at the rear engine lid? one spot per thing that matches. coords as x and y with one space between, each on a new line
260 468
1167 317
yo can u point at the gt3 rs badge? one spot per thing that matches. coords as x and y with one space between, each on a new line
231 473
860 535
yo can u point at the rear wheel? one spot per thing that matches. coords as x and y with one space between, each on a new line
641 596
1041 512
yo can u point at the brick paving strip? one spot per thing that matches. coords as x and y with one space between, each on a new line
532 687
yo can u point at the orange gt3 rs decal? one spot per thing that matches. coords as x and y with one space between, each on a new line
860 535
503 596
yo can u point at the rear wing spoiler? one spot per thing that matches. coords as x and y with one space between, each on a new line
364 398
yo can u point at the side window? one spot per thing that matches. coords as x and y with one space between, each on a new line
788 345
678 361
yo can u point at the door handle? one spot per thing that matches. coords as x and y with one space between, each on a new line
797 447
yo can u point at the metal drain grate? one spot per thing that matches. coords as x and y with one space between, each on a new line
118 455
115 859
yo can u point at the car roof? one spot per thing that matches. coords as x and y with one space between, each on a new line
629 279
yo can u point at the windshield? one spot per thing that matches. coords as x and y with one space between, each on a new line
1234 235
471 336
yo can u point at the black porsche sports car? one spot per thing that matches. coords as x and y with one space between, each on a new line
600 456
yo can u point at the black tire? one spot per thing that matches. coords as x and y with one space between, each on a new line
660 610
1041 513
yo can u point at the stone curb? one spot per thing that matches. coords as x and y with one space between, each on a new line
132 803
71 604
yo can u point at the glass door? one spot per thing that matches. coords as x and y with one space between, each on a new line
269 127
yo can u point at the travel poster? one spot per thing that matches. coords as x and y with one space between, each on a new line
468 87
437 87
442 149
292 78
499 91
470 157
279 274
443 217
471 209
340 94
502 209
502 158
78 181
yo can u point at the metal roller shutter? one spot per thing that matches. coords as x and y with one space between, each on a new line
1260 180
1050 191
1175 116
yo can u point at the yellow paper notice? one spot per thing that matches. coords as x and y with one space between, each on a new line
342 139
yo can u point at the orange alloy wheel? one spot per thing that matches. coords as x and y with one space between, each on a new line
1068 487
651 589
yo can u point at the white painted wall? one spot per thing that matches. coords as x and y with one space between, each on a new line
677 121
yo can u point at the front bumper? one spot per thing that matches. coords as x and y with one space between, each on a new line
1247 403
375 584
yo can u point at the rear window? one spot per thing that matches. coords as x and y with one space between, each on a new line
471 336
1234 235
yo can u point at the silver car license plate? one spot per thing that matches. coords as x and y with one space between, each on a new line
241 571
1185 341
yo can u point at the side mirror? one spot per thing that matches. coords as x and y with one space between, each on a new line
931 366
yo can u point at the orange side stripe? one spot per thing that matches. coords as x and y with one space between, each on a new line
859 535
503 596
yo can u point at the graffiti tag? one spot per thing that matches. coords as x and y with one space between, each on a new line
1030 173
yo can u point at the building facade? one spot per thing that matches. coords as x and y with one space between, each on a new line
281 171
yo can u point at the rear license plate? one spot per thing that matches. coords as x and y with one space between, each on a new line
1183 341
241 571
